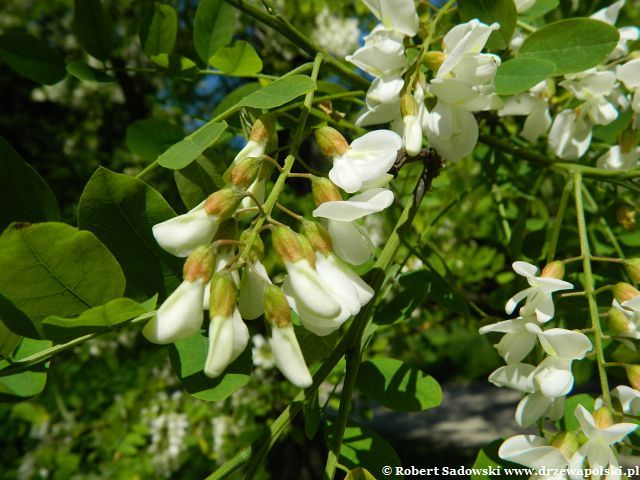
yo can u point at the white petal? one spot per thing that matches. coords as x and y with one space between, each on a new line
364 292
616 432
525 269
310 291
629 399
531 408
341 287
515 346
382 54
350 242
288 356
516 376
384 90
412 135
358 206
609 14
570 136
505 326
553 377
183 234
179 317
531 451
516 299
375 115
345 174
251 288
536 123
629 73
452 131
228 337
562 343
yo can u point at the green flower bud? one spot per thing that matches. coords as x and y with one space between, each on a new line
287 244
331 141
623 291
619 324
200 264
223 203
603 417
263 129
434 59
245 171
632 266
223 295
633 374
317 236
276 308
553 270
566 442
408 105
307 250
324 190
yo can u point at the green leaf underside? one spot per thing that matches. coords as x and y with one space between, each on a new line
54 269
32 58
197 180
502 12
86 73
279 92
191 147
239 60
572 45
24 195
8 340
188 357
396 385
159 29
25 384
98 319
121 211
213 27
17 321
520 74
93 28
150 137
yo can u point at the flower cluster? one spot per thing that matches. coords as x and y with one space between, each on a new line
545 386
596 96
224 274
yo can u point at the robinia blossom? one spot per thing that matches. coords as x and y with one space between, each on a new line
535 105
534 452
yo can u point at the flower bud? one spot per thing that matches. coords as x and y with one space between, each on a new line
331 141
257 247
245 171
408 105
632 266
287 244
200 264
317 236
553 270
627 217
623 291
223 203
628 140
633 374
223 296
434 59
324 190
276 308
603 417
412 135
619 324
566 442
263 129
307 250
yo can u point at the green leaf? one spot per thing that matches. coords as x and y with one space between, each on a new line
97 319
17 321
315 348
159 29
32 58
22 385
213 27
191 147
362 447
55 269
398 386
8 340
436 289
312 413
199 179
24 195
239 60
611 131
150 137
188 357
359 474
520 74
489 465
572 45
489 11
176 65
121 211
86 73
569 417
279 92
93 28
540 8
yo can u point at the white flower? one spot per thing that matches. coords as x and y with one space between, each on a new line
228 337
251 287
180 316
382 53
629 75
535 105
223 258
350 242
338 36
398 15
182 234
533 452
463 43
412 135
451 130
628 397
593 87
288 356
261 352
538 297
597 451
367 159
570 135
517 342
614 159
